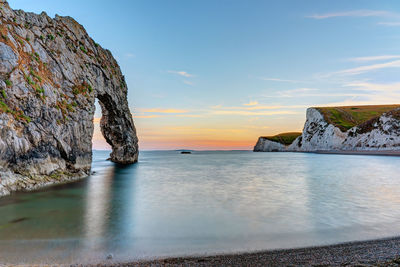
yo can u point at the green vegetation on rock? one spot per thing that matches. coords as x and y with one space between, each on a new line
349 116
83 49
34 74
35 56
4 107
283 138
8 83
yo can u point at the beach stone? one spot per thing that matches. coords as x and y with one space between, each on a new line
51 73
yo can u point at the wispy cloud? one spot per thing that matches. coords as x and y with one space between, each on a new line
374 58
160 95
368 68
190 115
390 24
251 113
296 92
377 87
181 73
188 82
130 55
255 109
363 13
163 110
164 115
306 93
251 103
166 112
197 130
146 116
357 13
375 93
279 80
354 102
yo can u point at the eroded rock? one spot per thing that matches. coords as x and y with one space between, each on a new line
378 134
51 72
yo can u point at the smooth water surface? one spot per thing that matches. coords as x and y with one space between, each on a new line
171 204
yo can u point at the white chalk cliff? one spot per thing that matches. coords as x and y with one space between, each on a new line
378 134
265 145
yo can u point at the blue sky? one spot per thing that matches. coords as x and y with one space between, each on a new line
217 74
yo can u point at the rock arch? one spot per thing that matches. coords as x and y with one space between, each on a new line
51 72
118 128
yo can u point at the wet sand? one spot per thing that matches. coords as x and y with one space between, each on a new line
382 252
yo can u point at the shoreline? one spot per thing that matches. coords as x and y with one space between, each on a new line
16 183
384 252
393 153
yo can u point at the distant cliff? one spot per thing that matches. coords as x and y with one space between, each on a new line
355 128
51 72
275 143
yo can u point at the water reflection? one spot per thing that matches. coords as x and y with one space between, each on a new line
207 202
345 200
98 207
121 222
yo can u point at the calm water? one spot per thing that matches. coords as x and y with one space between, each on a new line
207 202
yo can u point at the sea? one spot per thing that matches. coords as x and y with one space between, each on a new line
204 203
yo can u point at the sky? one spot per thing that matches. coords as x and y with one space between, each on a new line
217 74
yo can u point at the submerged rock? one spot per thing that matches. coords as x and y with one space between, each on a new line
51 72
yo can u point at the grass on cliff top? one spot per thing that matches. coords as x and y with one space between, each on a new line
349 116
283 138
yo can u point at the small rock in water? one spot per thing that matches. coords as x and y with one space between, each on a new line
109 257
19 220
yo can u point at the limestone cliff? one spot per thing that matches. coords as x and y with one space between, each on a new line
265 145
51 72
378 133
275 143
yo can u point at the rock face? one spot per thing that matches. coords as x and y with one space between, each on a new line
378 134
265 145
51 73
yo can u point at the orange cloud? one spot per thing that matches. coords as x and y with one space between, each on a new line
250 113
190 115
218 127
251 103
161 110
250 106
147 116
